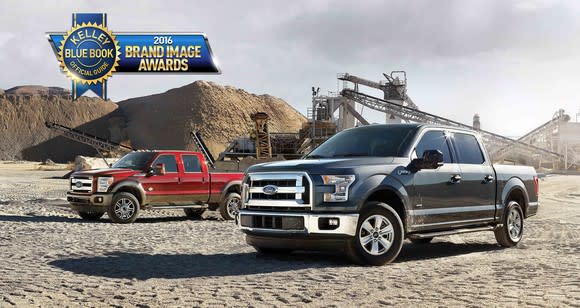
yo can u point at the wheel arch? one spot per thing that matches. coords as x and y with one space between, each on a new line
133 188
233 186
394 198
515 190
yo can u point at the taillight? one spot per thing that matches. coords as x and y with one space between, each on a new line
536 186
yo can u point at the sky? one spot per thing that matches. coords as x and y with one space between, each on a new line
513 62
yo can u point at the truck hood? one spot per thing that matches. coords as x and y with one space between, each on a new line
107 172
329 165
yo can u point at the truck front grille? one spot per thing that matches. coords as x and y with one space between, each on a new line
81 184
277 191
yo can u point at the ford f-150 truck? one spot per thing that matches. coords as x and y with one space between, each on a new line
154 180
367 189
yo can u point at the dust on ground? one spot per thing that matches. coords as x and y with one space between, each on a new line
50 257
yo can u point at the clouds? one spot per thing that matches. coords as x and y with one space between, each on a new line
497 58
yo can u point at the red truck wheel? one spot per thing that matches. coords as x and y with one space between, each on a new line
124 209
231 206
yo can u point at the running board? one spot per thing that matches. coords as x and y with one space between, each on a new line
175 207
450 232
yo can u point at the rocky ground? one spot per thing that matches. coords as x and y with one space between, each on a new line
50 257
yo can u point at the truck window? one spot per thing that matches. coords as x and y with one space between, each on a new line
434 140
191 163
468 150
169 161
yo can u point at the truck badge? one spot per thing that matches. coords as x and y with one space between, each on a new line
270 189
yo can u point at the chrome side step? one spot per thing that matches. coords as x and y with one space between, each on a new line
175 207
450 232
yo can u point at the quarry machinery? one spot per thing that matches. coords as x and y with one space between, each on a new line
262 135
202 148
99 144
492 141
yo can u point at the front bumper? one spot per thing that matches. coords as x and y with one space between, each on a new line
84 202
283 224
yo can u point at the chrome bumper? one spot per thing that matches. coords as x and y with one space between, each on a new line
347 223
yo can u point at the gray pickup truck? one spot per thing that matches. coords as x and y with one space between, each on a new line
367 189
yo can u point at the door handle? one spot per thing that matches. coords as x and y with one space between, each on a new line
456 178
488 178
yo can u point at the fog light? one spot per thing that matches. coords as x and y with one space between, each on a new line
99 200
328 223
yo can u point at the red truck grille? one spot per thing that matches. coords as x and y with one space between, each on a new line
81 184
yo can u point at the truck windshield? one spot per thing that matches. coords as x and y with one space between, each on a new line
372 140
135 161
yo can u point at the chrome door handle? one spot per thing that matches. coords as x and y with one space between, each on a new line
456 178
488 178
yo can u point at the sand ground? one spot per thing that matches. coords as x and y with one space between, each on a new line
50 257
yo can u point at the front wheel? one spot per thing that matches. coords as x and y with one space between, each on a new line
379 236
231 206
124 209
512 229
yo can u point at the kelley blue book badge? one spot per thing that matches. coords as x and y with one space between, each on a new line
89 53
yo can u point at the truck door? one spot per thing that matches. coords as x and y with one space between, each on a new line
435 190
162 188
477 194
195 180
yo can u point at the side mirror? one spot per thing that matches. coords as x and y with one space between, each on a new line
158 169
432 159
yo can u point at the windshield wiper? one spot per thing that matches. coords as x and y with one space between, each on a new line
351 155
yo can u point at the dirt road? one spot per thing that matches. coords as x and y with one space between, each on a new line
50 257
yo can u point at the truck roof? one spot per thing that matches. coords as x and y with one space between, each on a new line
425 125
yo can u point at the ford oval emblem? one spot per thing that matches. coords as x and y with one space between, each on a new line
270 189
79 184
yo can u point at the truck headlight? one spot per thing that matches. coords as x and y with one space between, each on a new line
341 184
103 183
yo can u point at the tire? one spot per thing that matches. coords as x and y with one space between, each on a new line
512 229
272 251
92 216
124 208
379 236
231 206
194 213
421 241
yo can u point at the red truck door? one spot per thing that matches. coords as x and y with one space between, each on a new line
195 179
160 188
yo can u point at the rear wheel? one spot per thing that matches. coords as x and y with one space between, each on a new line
231 206
124 208
193 213
379 236
512 229
91 215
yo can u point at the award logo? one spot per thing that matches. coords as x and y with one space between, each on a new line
90 53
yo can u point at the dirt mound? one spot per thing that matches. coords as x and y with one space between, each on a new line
24 110
37 90
220 113
160 121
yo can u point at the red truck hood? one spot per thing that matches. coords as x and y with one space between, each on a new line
107 172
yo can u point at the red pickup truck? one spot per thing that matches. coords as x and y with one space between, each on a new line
154 180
